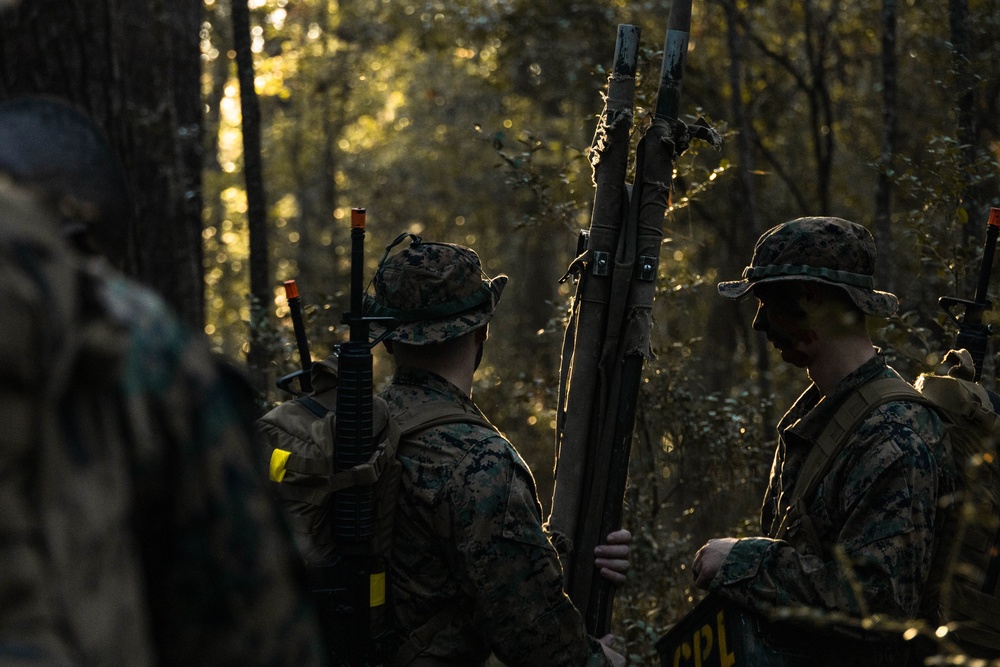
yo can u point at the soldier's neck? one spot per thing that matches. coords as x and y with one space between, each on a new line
456 369
838 359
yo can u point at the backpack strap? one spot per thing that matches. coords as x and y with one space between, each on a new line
858 405
439 413
312 405
411 422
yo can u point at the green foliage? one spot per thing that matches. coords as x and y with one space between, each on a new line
696 457
469 121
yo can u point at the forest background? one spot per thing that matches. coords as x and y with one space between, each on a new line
470 121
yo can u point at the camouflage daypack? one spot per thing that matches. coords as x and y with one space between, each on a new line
298 438
964 583
968 564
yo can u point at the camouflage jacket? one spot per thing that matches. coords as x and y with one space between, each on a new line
879 503
469 540
136 528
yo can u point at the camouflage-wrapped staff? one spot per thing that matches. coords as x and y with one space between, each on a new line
608 334
582 370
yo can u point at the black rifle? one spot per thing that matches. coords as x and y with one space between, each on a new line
608 332
973 334
301 342
366 633
350 591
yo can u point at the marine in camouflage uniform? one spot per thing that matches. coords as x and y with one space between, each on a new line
136 529
472 569
882 500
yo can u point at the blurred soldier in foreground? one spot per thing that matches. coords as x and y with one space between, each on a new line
473 570
135 529
863 542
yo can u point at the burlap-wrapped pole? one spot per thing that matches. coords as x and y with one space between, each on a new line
608 334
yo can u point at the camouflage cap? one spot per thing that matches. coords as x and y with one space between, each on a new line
823 249
434 291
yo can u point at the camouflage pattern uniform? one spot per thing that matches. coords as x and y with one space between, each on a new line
878 502
881 500
136 529
469 551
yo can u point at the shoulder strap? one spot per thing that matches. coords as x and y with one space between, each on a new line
312 405
438 413
834 436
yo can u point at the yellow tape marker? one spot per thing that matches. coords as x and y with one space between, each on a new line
279 457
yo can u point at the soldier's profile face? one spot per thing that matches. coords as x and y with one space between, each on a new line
781 317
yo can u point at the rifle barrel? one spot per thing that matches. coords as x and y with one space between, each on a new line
989 249
359 327
301 340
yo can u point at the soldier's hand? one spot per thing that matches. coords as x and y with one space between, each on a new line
709 559
617 659
611 558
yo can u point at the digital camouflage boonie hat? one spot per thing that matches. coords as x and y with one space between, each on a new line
827 250
434 292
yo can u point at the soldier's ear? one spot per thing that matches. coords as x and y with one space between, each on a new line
483 333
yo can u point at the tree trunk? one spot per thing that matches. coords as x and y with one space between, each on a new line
744 230
883 186
260 274
971 196
134 67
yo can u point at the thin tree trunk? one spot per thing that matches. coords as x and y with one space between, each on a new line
260 274
971 240
748 228
883 185
820 103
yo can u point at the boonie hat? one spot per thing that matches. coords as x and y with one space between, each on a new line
823 249
434 292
